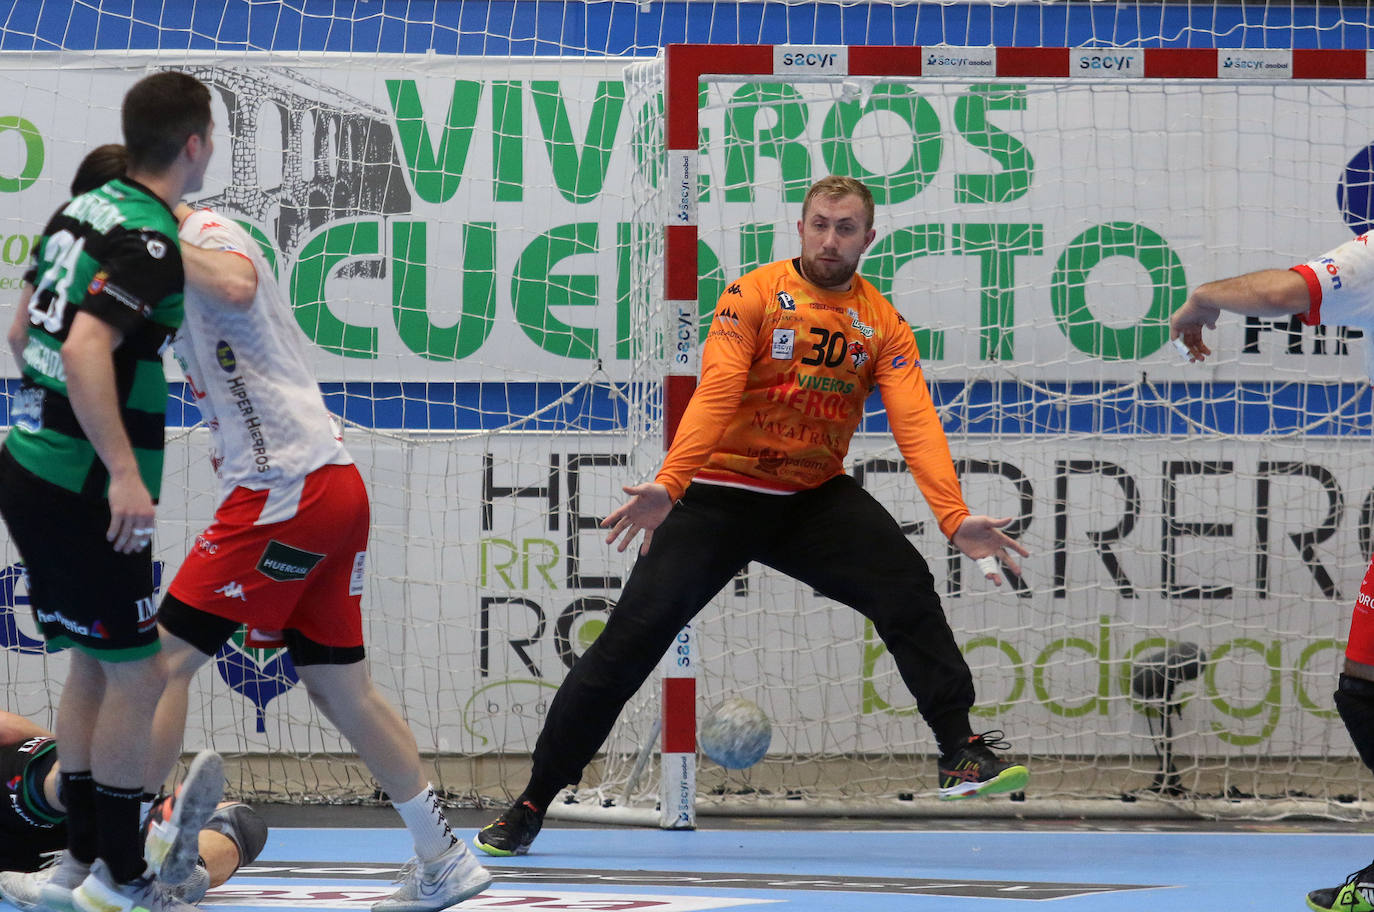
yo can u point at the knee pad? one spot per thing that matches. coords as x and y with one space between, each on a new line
244 828
1355 703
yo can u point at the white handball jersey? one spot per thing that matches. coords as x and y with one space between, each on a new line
249 374
1340 285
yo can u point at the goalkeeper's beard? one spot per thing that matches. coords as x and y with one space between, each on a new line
836 277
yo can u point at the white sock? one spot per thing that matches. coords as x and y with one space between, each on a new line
426 823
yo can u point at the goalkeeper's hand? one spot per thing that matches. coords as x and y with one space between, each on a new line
646 509
982 538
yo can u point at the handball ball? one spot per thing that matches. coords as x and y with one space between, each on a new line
736 734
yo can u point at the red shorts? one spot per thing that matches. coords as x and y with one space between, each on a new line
1361 644
304 573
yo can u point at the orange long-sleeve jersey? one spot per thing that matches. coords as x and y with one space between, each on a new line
785 371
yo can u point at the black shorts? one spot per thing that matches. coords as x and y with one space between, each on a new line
83 592
30 832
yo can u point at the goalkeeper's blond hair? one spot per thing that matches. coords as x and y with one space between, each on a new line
835 187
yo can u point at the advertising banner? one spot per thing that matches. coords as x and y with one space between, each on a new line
467 233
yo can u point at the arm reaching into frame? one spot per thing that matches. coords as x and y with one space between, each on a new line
1266 293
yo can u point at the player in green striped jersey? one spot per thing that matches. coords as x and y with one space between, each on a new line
80 472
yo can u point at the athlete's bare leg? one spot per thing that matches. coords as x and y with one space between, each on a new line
120 744
102 705
349 699
77 710
181 661
220 854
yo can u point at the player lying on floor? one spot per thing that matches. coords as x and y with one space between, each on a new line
33 827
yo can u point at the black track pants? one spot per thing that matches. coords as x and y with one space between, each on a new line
835 538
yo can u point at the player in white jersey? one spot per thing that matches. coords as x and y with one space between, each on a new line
1334 289
248 370
287 547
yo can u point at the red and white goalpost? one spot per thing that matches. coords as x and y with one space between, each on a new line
1028 322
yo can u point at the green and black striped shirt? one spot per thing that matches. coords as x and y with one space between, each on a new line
112 253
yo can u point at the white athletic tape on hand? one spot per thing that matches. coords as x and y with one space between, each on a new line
1182 348
988 565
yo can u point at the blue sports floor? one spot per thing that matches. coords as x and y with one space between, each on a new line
1129 866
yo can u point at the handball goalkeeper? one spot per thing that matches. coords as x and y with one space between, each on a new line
755 473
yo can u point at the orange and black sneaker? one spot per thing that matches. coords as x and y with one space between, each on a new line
974 770
512 832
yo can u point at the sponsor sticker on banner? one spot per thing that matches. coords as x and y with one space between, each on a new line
959 61
810 60
1097 63
682 186
684 337
1257 64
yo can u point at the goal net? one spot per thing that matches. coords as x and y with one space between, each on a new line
1198 532
475 246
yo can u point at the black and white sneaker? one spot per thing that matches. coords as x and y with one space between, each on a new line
974 770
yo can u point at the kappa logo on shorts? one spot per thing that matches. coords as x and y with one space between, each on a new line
284 563
232 590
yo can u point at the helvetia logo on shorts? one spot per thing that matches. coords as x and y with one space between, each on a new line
284 563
